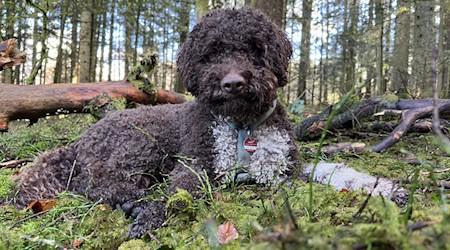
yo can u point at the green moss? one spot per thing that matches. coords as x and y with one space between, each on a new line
134 245
181 202
388 98
6 184
23 142
340 220
72 218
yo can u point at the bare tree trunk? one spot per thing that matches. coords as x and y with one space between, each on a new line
387 41
350 80
444 48
85 41
103 43
58 68
9 27
400 53
129 27
379 16
95 36
74 76
43 39
424 43
136 33
303 67
20 37
273 9
111 38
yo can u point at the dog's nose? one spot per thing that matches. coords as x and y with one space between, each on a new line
233 83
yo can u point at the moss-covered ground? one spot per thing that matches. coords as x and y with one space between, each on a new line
265 217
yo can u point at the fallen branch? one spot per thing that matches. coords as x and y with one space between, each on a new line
353 117
36 101
10 55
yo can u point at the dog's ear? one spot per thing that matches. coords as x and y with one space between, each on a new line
285 55
185 67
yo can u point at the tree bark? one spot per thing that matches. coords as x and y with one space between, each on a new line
85 41
400 53
74 76
303 67
103 43
424 43
59 59
444 48
43 39
9 31
273 9
379 23
111 39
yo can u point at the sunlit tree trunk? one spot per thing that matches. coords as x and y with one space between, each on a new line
400 53
59 58
136 32
102 44
111 38
9 27
37 66
273 9
86 41
303 67
424 43
444 48
379 16
74 46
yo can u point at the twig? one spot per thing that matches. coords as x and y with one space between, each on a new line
70 175
153 237
27 218
421 224
14 163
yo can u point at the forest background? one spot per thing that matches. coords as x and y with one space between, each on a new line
398 46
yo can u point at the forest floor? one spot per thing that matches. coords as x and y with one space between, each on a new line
265 218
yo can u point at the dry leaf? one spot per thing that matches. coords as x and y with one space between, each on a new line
226 232
41 206
217 196
77 242
103 207
344 191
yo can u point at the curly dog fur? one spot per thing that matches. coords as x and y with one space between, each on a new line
232 62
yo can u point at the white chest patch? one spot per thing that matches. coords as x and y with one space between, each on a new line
269 162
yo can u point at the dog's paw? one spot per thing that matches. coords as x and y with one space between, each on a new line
150 216
400 197
137 229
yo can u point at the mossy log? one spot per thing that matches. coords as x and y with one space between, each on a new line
353 116
10 55
36 101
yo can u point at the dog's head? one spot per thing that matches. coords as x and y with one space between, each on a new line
233 61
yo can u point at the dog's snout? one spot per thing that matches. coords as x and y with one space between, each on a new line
233 83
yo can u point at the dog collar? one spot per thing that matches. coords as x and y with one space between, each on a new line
243 133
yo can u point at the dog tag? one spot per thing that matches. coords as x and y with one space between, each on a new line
250 145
